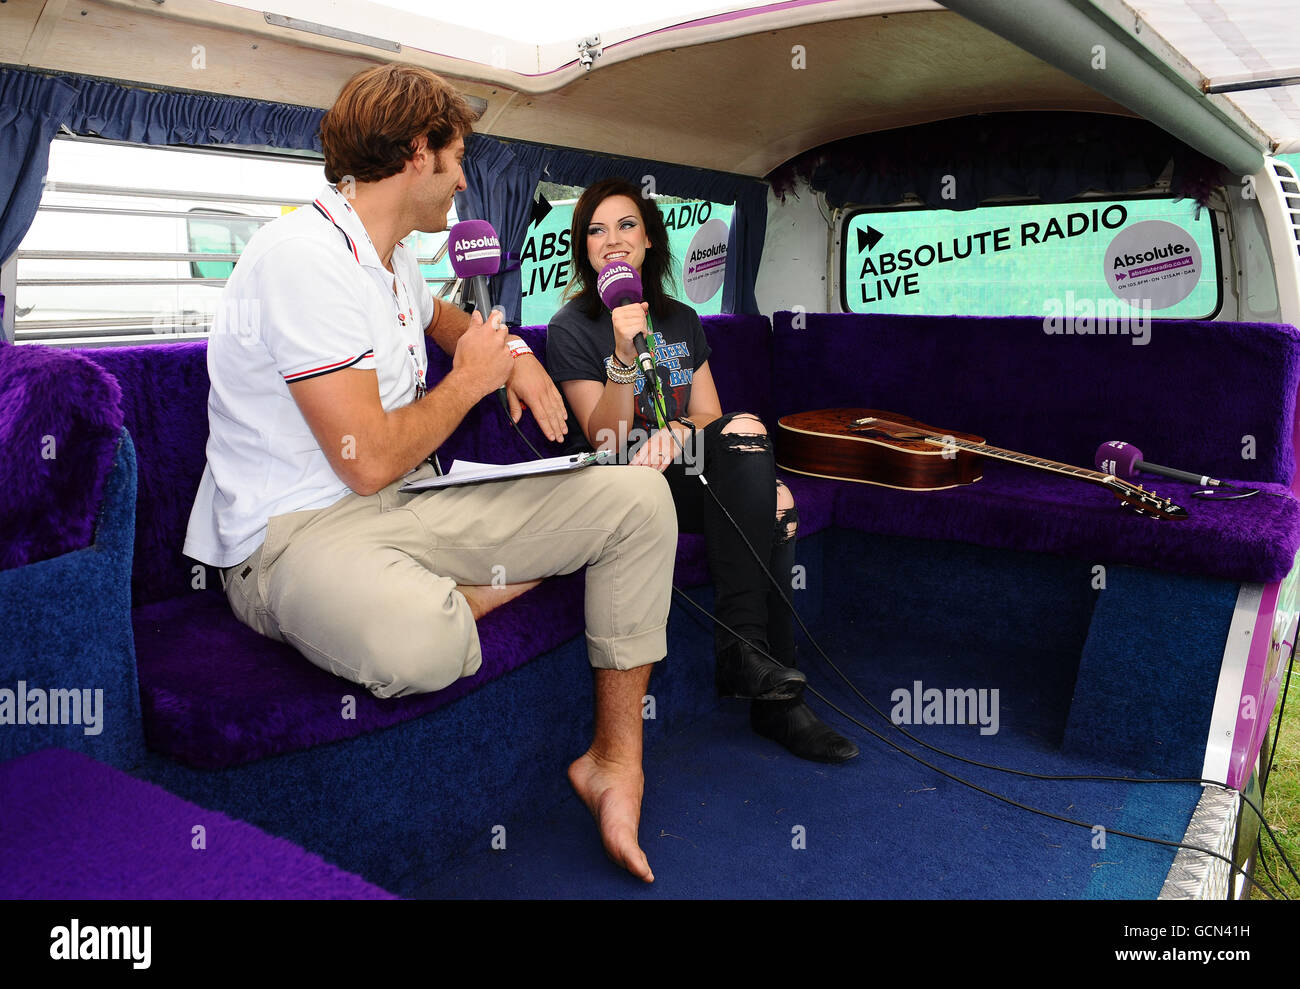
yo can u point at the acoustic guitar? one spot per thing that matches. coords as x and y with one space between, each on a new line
888 449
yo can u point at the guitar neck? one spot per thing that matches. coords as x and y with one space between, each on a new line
1011 456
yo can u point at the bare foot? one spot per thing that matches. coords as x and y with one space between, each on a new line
613 795
483 598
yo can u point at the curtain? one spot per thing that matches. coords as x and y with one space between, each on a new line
31 109
511 170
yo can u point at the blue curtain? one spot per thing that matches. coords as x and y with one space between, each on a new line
123 114
501 175
33 106
31 110
510 170
500 180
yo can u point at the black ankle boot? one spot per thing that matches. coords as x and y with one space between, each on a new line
745 673
794 725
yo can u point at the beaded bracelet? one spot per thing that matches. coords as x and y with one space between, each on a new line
619 373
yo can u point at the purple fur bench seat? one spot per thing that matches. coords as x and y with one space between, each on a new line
76 829
1214 397
215 694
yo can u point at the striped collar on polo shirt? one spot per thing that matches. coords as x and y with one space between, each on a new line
334 206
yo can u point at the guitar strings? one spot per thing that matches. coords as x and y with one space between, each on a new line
1001 453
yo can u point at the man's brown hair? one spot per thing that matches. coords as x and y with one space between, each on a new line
370 131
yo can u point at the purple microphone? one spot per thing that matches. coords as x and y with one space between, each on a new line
475 252
1125 460
619 284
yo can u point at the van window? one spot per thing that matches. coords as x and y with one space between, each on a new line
1155 257
218 235
133 244
546 258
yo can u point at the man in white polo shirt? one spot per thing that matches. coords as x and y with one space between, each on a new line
318 412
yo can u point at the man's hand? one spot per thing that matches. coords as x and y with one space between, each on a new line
532 388
482 357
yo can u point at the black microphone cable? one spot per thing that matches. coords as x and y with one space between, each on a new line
510 419
975 786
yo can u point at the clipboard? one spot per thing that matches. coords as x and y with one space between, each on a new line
468 472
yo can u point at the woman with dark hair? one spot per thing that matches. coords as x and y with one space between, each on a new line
591 356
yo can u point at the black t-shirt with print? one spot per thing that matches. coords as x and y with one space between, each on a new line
578 348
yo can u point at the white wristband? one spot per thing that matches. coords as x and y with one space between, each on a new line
518 348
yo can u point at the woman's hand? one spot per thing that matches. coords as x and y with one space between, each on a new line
628 322
659 450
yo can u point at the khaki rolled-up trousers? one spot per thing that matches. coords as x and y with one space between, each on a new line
366 588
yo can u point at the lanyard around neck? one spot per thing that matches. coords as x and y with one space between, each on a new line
401 299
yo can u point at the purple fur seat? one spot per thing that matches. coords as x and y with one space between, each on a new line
1214 397
76 829
216 694
57 452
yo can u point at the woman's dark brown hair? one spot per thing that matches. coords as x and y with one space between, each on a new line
657 269
370 131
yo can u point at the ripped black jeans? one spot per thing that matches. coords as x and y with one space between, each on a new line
742 472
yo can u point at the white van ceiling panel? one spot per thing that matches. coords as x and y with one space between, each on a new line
737 104
1225 41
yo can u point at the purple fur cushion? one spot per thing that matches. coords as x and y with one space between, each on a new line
214 693
60 424
76 829
165 401
1217 398
1021 509
741 363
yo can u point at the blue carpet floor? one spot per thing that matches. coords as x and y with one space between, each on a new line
728 814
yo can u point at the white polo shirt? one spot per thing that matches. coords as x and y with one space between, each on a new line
304 300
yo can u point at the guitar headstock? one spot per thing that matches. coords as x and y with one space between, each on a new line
1144 502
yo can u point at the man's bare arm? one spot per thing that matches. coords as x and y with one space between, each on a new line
447 325
529 384
368 447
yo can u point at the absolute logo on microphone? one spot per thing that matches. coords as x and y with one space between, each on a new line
612 274
475 248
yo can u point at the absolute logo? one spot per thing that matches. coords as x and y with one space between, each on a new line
35 706
712 251
1155 261
931 706
1098 317
612 274
1170 250
77 943
705 266
476 248
469 245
